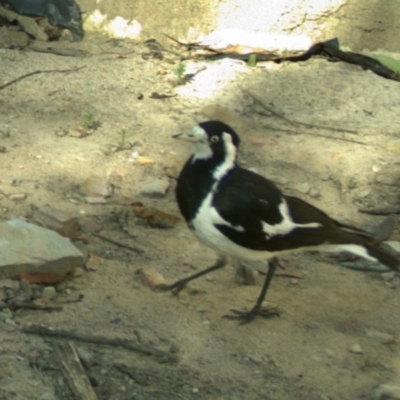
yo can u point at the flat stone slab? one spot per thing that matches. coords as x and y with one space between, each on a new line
26 247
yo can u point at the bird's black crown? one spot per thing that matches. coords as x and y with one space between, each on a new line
218 128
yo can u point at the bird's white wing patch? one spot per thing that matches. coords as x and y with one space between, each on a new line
286 225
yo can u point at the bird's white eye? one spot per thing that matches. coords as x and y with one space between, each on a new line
214 139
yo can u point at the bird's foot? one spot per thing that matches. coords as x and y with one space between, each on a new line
245 317
175 288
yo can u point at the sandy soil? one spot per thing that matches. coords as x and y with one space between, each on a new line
303 355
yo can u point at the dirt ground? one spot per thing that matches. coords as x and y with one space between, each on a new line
321 347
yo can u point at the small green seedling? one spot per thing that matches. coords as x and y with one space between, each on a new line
180 71
122 134
89 121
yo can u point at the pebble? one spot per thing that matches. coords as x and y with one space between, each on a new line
4 316
363 193
155 189
386 179
394 245
95 200
302 187
388 276
379 335
280 180
9 284
49 292
315 193
95 186
355 348
245 275
387 392
324 176
152 277
144 161
17 196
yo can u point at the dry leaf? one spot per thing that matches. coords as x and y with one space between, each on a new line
43 278
93 262
154 217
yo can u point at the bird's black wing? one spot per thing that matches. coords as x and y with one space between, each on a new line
254 211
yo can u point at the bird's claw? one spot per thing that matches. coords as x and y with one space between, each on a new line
245 317
175 288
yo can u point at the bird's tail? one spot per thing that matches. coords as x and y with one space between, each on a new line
384 256
364 245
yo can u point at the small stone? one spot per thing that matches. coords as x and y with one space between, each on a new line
279 180
387 392
355 348
153 278
49 292
314 193
155 189
4 315
9 284
302 187
144 161
388 179
245 275
394 245
379 335
96 186
95 200
78 272
324 176
388 276
79 132
363 193
17 196
61 132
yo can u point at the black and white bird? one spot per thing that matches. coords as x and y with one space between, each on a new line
243 215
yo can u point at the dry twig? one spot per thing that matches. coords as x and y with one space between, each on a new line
74 372
294 122
119 244
127 344
39 72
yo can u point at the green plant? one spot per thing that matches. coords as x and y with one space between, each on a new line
122 133
180 71
89 121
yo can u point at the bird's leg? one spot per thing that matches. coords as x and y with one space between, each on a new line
179 285
247 316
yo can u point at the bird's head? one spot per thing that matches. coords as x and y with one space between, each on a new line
212 139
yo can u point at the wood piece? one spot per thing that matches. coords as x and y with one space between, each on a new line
74 373
39 72
40 330
119 244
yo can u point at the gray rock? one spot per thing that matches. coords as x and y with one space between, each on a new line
96 186
155 189
49 292
9 284
302 187
25 247
394 245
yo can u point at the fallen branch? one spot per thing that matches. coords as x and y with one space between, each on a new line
381 210
29 306
292 132
294 122
119 244
39 72
127 344
74 373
